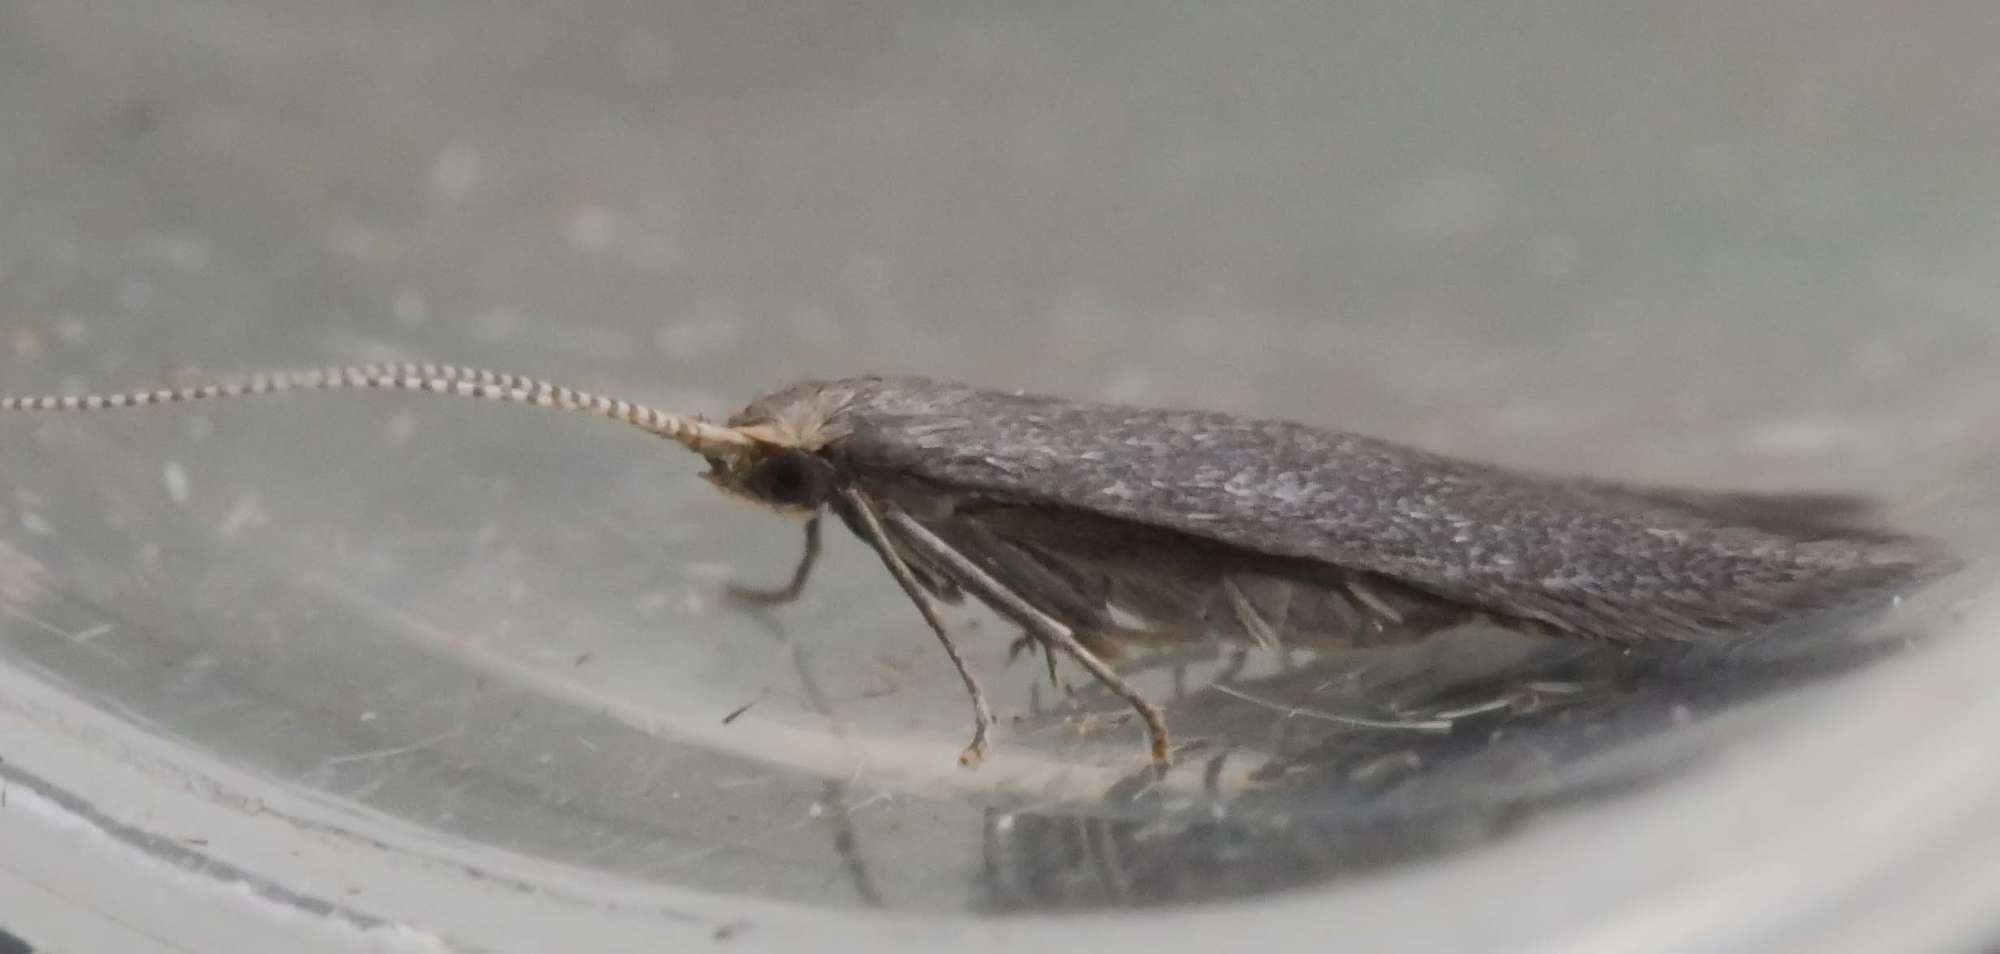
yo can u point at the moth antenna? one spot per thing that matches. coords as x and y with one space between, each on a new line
695 434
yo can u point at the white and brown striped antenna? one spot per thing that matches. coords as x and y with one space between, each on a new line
695 434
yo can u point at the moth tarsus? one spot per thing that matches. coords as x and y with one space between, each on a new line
1027 642
790 592
1093 526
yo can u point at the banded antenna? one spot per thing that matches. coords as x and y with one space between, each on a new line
692 432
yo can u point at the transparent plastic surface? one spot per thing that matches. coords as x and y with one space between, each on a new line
350 671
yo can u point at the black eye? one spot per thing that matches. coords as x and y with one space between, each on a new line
794 479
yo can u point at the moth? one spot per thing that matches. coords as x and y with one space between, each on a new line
1098 526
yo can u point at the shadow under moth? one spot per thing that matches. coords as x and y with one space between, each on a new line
1094 526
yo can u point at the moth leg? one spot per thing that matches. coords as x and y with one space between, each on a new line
983 585
790 591
877 537
1023 572
933 580
1028 641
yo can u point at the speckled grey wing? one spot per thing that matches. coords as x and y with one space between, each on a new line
1582 557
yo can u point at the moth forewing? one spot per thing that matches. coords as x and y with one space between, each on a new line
1579 557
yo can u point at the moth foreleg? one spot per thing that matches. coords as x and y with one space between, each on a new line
790 591
864 519
982 584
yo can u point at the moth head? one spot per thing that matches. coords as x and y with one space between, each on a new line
782 478
781 464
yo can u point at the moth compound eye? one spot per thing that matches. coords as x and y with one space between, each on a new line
792 479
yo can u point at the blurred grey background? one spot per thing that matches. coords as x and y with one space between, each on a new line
1718 244
1644 233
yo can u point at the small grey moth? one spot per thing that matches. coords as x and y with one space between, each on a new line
1099 526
